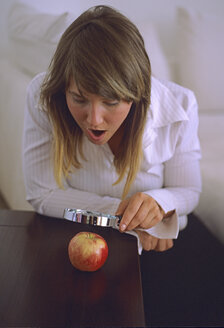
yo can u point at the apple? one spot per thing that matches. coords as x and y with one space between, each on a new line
87 251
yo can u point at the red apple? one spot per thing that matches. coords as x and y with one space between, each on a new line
87 251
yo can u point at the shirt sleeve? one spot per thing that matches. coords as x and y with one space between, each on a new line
182 177
42 190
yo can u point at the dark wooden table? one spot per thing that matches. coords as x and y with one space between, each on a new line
40 288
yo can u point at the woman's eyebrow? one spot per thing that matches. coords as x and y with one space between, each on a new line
73 93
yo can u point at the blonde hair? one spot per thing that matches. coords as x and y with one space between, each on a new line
103 52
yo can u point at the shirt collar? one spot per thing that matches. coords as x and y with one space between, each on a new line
165 109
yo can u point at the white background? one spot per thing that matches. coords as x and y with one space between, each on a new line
160 12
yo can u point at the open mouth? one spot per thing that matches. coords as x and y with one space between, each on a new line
97 133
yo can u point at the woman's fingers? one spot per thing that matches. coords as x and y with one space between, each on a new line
140 210
164 245
141 218
147 241
128 209
122 206
150 242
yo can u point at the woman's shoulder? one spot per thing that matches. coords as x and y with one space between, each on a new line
34 88
34 109
34 85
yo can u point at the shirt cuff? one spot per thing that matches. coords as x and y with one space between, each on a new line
168 228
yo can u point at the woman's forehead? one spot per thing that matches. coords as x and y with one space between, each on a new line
102 91
73 87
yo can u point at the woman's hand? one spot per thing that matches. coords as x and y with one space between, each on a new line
152 243
139 211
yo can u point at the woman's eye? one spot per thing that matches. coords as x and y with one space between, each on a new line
79 101
111 103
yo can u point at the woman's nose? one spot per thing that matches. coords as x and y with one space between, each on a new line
95 115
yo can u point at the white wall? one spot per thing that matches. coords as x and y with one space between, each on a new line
161 12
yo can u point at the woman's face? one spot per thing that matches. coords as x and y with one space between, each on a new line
99 118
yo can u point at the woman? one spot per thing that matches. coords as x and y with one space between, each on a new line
102 134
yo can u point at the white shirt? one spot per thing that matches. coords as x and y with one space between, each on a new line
170 171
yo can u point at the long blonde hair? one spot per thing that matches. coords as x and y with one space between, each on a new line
103 52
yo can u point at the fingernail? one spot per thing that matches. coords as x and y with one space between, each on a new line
123 227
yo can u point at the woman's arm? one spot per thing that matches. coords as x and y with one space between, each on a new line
182 181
